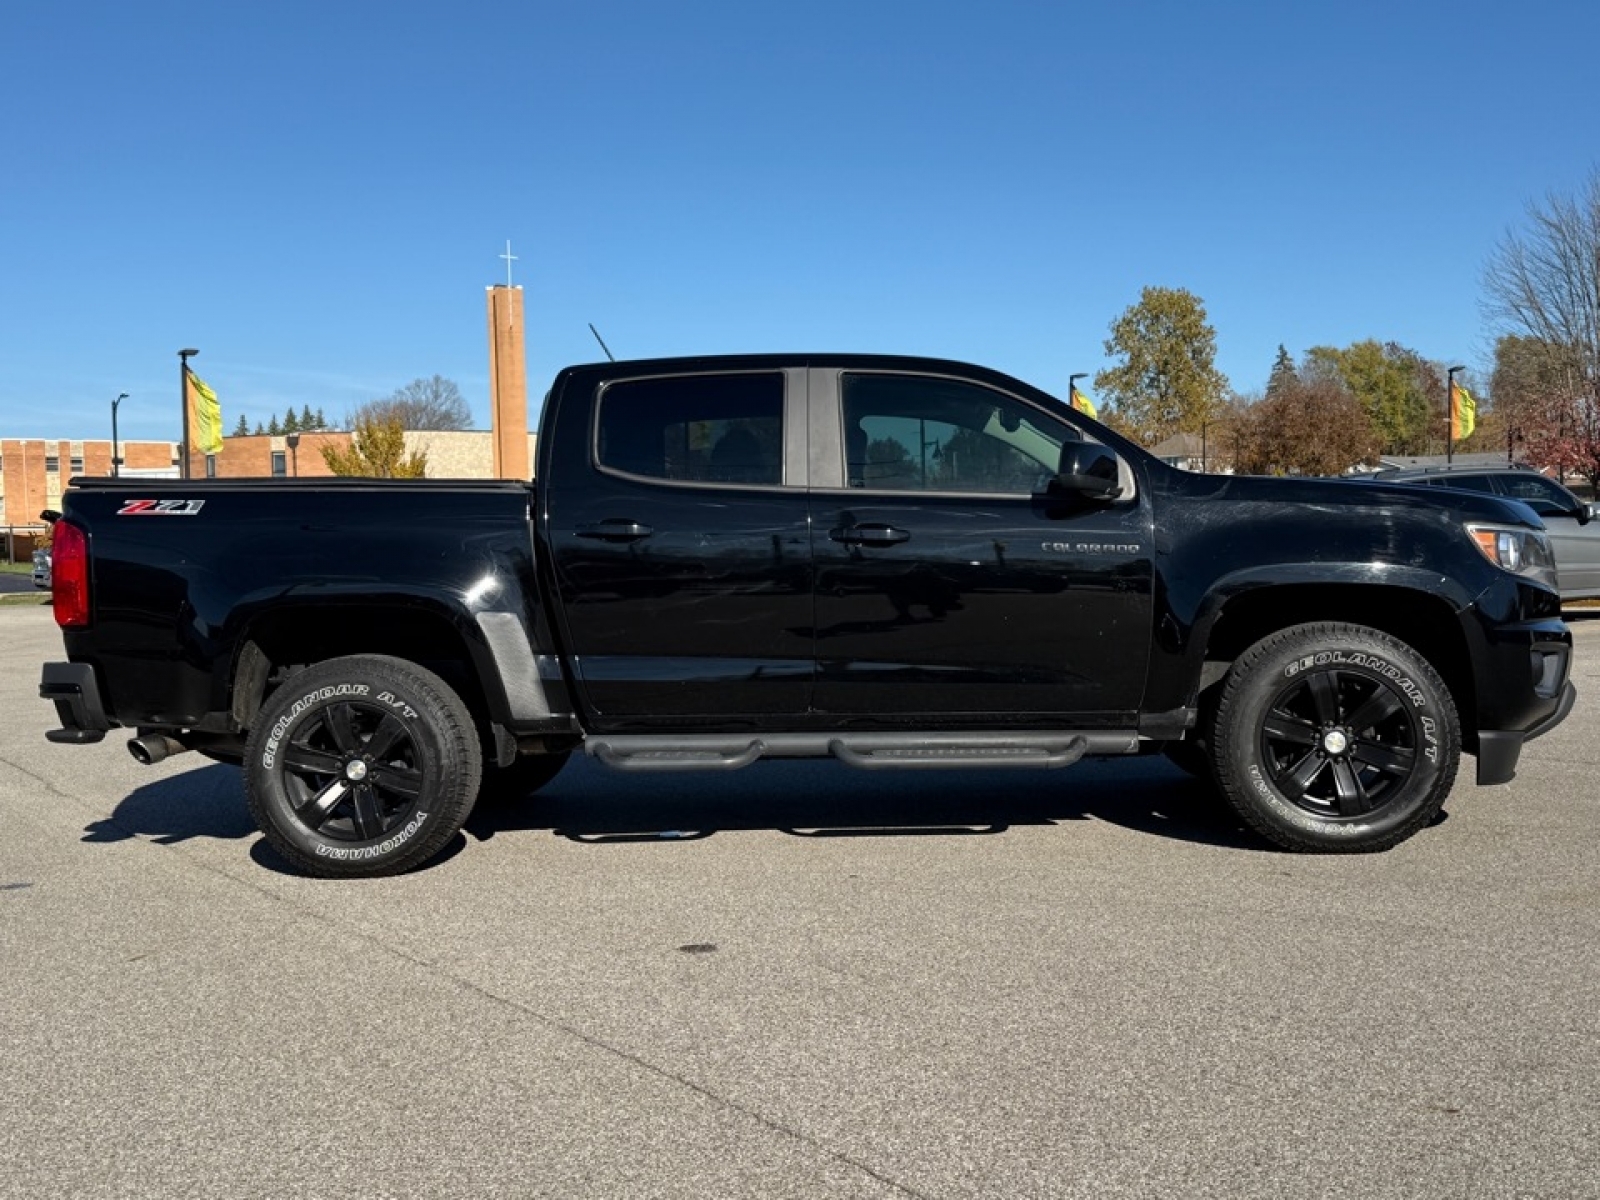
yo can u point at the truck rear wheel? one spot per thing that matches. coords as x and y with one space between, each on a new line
1335 738
361 766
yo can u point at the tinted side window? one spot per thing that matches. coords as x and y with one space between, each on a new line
1543 494
1470 483
913 433
694 428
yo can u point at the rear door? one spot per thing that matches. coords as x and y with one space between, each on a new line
678 529
950 586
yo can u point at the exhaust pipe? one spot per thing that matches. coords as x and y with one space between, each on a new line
151 748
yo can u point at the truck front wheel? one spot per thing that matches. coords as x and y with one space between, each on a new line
1335 738
359 766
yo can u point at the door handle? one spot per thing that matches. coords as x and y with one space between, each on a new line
869 535
615 531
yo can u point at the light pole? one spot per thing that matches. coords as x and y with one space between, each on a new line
116 452
1450 413
293 441
183 398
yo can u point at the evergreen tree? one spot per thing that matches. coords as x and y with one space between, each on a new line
321 422
260 431
242 429
291 423
307 421
1283 375
273 428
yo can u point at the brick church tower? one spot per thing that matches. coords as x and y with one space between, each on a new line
508 383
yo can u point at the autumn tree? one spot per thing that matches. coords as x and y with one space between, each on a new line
1542 286
422 404
1167 381
1536 393
1400 391
1313 426
377 451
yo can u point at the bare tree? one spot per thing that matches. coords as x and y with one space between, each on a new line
422 404
1543 284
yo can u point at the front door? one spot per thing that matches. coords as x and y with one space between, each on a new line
951 585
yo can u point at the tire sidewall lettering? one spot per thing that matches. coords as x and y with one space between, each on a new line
310 702
1424 702
1374 664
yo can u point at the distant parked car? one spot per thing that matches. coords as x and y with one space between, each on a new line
1574 531
41 568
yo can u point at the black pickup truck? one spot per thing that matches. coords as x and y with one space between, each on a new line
899 563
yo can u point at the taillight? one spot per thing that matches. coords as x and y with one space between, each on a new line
69 575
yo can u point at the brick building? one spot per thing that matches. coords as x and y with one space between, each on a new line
467 454
34 470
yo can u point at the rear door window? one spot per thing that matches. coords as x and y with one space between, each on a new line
1469 483
725 429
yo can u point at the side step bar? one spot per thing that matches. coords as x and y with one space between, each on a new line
868 751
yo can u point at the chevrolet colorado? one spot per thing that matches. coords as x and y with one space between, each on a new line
895 562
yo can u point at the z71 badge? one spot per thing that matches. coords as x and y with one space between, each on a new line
161 508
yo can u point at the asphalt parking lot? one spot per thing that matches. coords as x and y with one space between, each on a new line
794 981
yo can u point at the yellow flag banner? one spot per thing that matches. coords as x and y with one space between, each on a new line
1082 403
205 417
1463 412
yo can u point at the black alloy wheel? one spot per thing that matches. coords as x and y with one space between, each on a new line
360 766
1340 743
1333 737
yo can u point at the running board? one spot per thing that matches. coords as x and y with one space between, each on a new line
871 752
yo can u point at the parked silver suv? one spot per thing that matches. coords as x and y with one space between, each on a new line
41 568
1574 531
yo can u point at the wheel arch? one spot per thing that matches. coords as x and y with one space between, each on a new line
285 638
1423 620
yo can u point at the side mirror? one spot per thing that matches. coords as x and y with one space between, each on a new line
1587 513
1089 470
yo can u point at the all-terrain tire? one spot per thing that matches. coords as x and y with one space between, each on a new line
1335 738
361 766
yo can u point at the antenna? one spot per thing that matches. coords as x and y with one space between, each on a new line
602 342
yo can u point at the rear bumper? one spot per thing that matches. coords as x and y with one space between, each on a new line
75 691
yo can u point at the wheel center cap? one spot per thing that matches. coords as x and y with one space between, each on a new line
355 770
1336 741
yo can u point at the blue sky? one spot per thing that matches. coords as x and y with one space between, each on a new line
317 195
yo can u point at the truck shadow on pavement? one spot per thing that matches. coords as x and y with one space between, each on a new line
204 803
594 805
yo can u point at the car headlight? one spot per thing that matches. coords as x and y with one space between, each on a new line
1518 550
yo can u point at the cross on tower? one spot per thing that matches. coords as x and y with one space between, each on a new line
510 258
